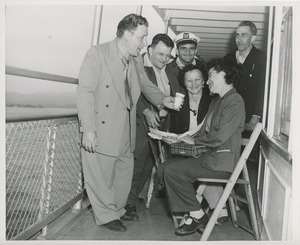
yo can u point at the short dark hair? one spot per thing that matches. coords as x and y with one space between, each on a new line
250 24
162 37
235 73
191 67
130 22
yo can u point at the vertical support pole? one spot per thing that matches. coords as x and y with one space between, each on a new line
97 24
167 22
139 9
45 200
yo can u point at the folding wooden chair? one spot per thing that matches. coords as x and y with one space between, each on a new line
159 158
228 193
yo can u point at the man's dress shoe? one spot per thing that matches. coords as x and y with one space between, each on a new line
116 225
193 227
130 214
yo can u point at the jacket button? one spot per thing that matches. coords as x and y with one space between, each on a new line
107 86
107 105
103 122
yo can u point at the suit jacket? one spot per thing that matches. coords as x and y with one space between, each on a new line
223 137
101 101
181 120
253 91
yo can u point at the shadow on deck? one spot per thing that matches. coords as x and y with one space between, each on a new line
155 224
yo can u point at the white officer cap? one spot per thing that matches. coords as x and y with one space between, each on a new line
186 37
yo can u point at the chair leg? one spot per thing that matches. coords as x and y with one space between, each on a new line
175 222
151 187
233 211
199 192
251 205
214 217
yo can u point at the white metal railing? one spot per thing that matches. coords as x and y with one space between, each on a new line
10 70
43 174
43 167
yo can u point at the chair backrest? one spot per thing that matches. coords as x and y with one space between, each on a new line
246 152
249 143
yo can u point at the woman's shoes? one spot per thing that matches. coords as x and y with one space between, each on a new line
193 227
223 217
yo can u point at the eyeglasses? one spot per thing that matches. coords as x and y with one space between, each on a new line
242 35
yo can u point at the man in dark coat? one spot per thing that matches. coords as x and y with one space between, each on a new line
155 60
254 61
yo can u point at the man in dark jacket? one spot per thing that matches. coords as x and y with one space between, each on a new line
155 61
254 61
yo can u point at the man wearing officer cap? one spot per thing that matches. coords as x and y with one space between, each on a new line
186 49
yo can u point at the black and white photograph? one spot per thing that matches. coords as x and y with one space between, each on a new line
149 122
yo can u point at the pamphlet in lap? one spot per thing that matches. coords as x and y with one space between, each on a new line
177 146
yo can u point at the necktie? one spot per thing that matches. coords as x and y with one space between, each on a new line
127 88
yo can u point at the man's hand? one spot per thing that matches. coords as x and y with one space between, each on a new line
89 141
168 102
152 118
254 119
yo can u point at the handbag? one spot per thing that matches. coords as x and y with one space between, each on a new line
184 149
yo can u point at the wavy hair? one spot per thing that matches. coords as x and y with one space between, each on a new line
235 73
130 23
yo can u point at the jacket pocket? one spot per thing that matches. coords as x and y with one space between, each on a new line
219 160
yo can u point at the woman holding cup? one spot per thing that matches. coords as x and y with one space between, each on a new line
196 102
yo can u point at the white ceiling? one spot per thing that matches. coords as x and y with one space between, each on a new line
216 25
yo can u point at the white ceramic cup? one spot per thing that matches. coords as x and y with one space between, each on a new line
178 101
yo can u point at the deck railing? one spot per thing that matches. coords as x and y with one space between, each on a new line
43 173
43 167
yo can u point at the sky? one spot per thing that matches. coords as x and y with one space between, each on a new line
54 39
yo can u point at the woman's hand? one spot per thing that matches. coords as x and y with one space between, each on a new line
170 140
188 139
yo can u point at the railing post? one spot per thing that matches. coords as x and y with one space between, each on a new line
46 187
78 205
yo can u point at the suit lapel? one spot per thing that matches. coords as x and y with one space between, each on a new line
115 67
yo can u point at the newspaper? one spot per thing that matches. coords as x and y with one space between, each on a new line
171 138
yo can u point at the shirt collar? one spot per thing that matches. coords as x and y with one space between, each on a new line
237 54
181 65
148 63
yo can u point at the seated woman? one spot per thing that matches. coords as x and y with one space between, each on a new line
220 133
192 80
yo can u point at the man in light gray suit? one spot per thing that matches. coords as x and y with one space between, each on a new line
111 79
